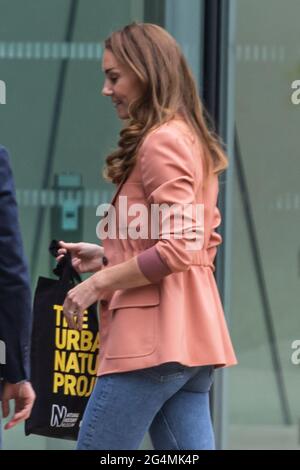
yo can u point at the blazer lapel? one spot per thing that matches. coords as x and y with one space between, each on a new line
118 190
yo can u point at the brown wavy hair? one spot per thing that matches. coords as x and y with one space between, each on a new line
169 89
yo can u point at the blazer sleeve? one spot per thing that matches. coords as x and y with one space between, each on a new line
169 177
15 297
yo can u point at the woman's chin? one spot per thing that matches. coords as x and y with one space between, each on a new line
122 114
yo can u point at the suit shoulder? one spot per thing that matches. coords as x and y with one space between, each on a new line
3 153
5 166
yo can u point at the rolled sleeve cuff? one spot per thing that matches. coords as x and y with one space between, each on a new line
152 266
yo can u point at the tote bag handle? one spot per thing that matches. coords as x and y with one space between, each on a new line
64 269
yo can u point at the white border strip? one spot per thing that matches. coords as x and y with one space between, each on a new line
260 53
52 198
51 50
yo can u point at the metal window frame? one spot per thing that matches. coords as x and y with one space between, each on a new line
219 100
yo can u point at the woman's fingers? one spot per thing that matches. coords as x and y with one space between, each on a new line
69 246
76 264
58 258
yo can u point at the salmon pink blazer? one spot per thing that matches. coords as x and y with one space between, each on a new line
179 316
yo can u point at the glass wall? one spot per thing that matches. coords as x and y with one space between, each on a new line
264 405
59 129
56 125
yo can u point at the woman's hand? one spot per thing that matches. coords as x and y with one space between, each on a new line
80 298
86 257
100 286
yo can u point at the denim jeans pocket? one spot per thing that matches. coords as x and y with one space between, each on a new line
201 381
165 372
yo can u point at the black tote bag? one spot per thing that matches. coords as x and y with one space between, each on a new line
63 360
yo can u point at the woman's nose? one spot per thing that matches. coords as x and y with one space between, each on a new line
106 90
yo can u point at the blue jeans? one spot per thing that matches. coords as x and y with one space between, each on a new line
171 401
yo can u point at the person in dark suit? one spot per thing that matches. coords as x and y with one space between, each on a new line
15 305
